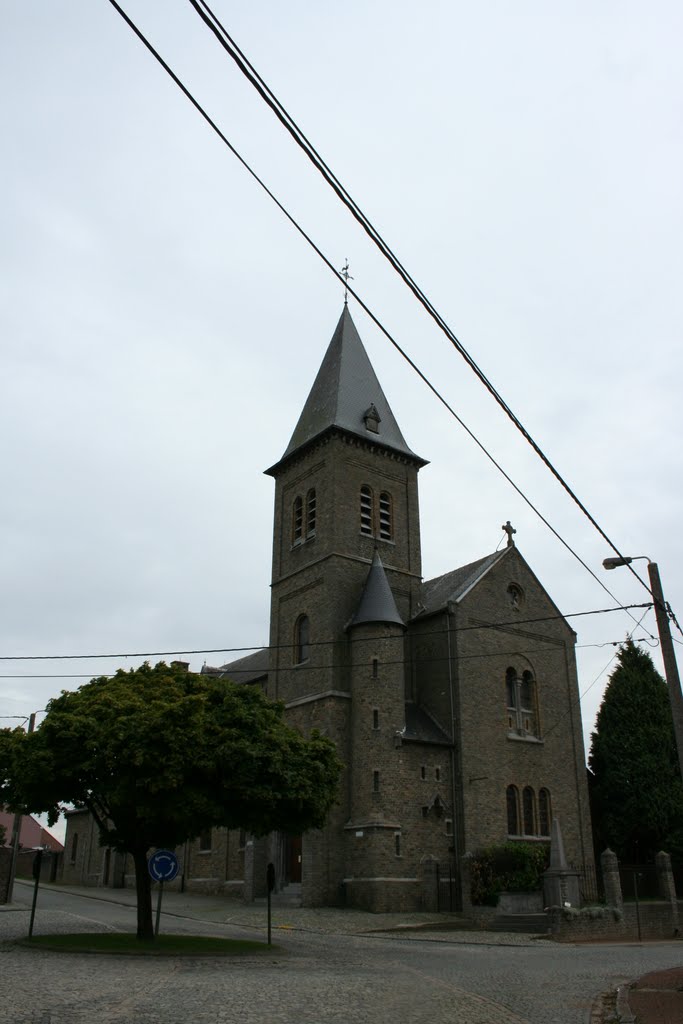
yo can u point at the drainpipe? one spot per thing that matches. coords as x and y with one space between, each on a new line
456 814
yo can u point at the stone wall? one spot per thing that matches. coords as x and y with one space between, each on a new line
646 919
613 924
5 865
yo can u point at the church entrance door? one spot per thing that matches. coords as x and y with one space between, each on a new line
294 872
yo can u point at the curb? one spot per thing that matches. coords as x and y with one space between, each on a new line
625 1014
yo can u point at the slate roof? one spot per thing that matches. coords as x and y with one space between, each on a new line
377 602
454 585
421 727
344 390
243 670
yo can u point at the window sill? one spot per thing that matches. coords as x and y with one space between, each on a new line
301 543
526 738
528 839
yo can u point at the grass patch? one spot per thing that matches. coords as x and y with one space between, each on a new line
163 945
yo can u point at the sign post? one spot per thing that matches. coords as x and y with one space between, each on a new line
270 885
163 867
37 860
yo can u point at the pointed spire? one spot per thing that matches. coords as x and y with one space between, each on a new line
347 395
377 602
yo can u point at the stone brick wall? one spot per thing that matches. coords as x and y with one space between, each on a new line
5 865
83 860
386 895
656 922
323 575
492 754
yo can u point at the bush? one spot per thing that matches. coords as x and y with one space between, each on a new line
508 867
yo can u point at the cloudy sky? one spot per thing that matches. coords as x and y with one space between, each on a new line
161 323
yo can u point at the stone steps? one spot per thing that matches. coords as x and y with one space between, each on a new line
531 924
290 896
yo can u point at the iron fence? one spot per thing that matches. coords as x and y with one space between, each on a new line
447 889
639 882
591 888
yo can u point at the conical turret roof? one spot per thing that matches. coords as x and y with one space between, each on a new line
347 395
377 602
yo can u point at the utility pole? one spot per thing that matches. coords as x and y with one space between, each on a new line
16 834
673 681
669 658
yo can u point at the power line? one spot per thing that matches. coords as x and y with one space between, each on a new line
351 665
363 305
316 643
252 75
577 702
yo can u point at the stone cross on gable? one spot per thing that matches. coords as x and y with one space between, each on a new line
347 277
509 530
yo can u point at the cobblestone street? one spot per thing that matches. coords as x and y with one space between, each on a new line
315 976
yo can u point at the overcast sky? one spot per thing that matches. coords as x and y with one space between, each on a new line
161 323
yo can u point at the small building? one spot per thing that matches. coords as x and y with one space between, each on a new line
32 835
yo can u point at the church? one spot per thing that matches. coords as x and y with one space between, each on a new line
453 702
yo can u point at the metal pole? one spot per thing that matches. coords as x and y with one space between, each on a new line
161 893
635 893
17 831
36 874
669 658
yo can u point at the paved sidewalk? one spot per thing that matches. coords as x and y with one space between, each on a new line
326 920
656 998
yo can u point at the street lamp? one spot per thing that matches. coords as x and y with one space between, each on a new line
666 643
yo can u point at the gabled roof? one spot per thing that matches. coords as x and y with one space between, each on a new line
454 585
377 602
347 395
243 670
32 834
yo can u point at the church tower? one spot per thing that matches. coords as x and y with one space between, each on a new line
345 486
346 520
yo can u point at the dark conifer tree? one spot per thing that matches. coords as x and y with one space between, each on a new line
635 784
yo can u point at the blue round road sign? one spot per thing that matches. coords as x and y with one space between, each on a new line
163 866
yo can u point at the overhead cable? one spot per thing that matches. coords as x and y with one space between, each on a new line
510 623
362 304
252 75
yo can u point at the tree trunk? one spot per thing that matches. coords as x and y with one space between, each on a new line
143 888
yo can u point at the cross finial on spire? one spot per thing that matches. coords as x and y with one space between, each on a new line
509 530
347 277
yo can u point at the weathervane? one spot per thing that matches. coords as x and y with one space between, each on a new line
347 277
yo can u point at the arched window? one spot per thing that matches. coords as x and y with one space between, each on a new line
544 813
520 702
529 811
512 798
511 697
366 511
310 513
527 709
386 526
297 520
302 639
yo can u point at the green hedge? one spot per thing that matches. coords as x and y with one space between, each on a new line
508 867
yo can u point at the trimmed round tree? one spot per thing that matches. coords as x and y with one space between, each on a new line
158 754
